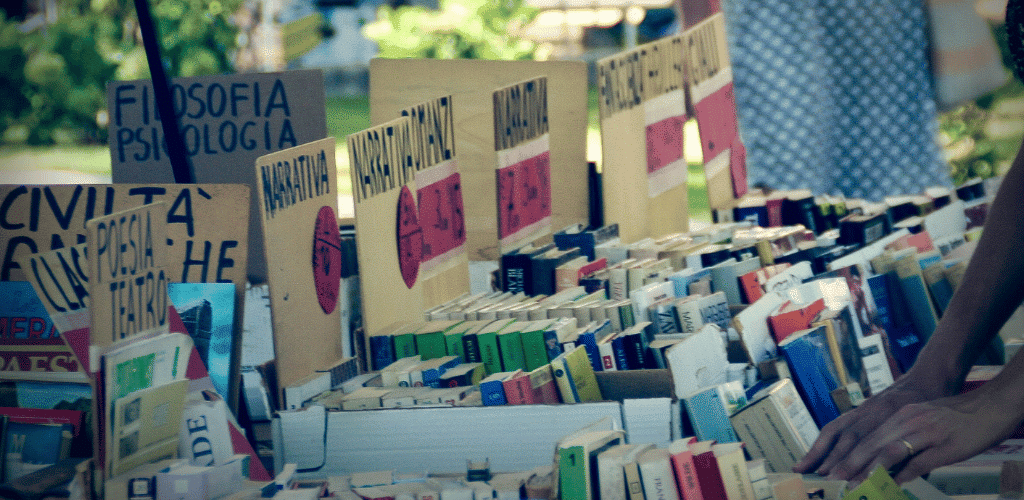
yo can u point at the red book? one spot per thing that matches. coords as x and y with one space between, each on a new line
686 471
708 475
542 385
38 416
921 241
518 390
791 318
591 267
752 283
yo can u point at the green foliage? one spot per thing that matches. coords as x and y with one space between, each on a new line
458 29
53 79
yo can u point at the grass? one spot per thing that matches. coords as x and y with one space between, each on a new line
345 115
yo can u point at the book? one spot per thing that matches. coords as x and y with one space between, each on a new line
634 483
492 388
428 373
611 479
534 336
792 317
810 361
687 314
463 375
657 475
30 340
685 470
430 339
517 390
575 377
709 409
542 384
516 268
725 277
145 425
389 375
30 447
733 468
708 475
487 342
586 239
543 268
578 463
776 426
683 279
697 361
510 347
915 290
208 313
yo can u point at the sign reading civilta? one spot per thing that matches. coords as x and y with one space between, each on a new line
227 121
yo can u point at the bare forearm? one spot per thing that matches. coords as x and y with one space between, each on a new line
991 290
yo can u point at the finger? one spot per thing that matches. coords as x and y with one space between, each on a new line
918 465
866 457
820 449
847 441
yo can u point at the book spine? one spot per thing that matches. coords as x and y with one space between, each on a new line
492 393
589 343
471 347
382 352
510 347
454 346
686 476
489 353
572 476
634 484
563 379
619 349
607 353
535 353
405 345
431 345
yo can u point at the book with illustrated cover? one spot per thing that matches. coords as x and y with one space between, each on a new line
208 312
29 340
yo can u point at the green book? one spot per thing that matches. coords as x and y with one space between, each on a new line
510 345
430 340
487 340
577 463
535 350
405 341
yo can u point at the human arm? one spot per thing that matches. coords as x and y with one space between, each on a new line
992 288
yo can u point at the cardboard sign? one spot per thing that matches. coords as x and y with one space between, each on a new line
61 281
128 273
227 121
296 187
714 106
643 109
399 83
523 171
389 234
207 224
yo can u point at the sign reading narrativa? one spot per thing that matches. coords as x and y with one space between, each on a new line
286 182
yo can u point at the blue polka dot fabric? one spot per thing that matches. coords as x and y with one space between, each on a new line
836 96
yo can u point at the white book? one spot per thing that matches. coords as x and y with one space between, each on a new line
657 475
612 483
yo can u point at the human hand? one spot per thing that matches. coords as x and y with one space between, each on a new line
919 437
839 437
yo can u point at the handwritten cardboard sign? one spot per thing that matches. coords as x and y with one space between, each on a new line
61 281
207 224
298 200
227 121
523 171
396 84
389 234
714 106
128 273
642 102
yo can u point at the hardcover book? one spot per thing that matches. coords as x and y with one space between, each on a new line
810 361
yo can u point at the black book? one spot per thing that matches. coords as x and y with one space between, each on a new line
517 270
543 272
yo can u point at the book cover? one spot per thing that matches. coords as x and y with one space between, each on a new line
578 463
208 312
915 291
518 391
725 277
31 447
792 317
657 475
709 409
733 468
714 309
810 362
685 469
575 377
610 468
430 340
517 269
492 388
29 340
607 353
697 361
146 423
586 239
510 346
542 384
687 314
535 347
708 475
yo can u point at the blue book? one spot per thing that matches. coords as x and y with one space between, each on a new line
492 388
433 371
905 345
708 412
382 352
883 307
208 312
30 446
814 372
588 340
584 239
682 279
